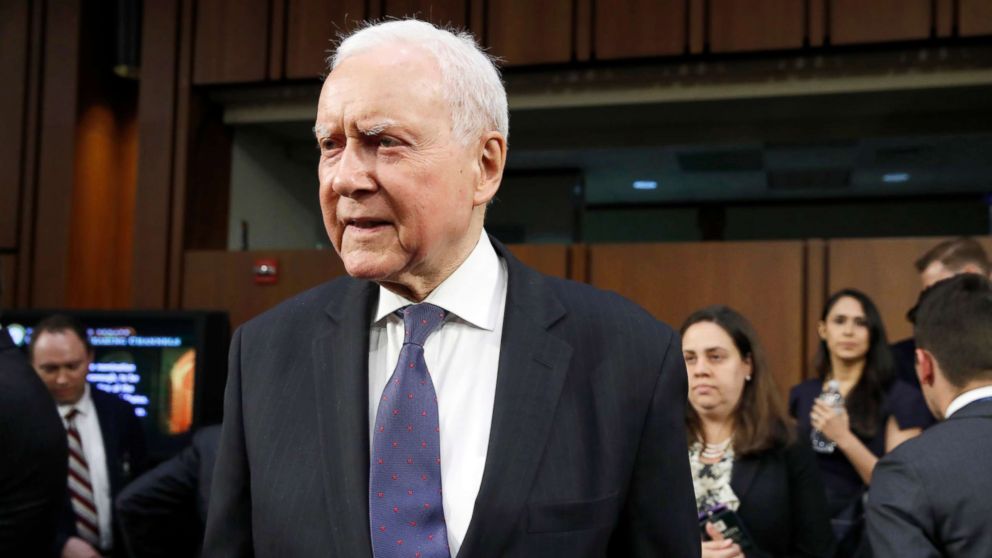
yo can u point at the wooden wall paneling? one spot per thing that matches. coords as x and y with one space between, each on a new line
221 280
875 21
883 269
8 279
762 280
312 28
639 28
523 32
60 77
277 41
208 190
232 41
15 29
751 25
816 22
584 22
697 26
477 20
578 262
550 259
439 12
943 13
974 17
815 286
101 224
32 132
184 144
156 152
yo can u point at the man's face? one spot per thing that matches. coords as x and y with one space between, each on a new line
398 190
61 361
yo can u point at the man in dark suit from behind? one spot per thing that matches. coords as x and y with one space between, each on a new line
445 399
106 441
33 465
163 512
949 258
932 496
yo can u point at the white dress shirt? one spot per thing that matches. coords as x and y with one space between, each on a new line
88 426
967 397
462 356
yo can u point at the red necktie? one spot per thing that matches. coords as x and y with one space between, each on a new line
80 489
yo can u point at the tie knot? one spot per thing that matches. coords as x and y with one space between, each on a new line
72 414
419 320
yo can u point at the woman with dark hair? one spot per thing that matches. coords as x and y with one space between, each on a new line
879 413
741 448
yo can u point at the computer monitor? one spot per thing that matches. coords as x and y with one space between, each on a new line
170 366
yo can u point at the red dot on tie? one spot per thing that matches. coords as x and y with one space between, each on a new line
382 429
423 477
424 322
396 444
396 412
438 460
417 555
437 429
413 524
396 509
382 528
379 461
409 396
409 493
411 365
380 494
429 537
423 444
385 398
409 428
427 506
409 461
395 477
423 383
423 413
400 541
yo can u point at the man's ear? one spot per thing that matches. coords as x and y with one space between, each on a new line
925 367
492 160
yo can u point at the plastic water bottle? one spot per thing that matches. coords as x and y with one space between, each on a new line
832 397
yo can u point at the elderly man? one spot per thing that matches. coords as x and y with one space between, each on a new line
932 496
550 413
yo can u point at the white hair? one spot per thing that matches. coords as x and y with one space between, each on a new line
471 82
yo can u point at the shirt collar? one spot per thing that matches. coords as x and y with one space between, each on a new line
467 293
966 398
84 406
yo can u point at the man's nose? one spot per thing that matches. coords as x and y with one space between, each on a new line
354 172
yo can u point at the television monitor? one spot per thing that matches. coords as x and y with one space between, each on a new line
169 365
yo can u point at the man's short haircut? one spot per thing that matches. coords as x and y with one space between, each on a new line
59 323
953 320
954 254
471 82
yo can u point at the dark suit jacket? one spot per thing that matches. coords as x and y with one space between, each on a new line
783 505
163 512
904 355
932 495
124 447
586 454
34 463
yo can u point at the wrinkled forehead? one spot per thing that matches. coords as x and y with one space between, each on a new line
380 86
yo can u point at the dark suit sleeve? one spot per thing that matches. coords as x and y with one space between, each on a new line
160 506
811 532
135 450
228 532
899 523
660 518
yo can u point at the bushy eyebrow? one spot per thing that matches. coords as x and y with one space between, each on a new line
368 130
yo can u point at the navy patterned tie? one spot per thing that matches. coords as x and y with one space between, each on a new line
407 518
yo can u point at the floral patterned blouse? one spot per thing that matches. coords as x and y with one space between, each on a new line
711 481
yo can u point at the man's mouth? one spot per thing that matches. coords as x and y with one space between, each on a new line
366 224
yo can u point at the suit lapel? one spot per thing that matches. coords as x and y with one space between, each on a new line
340 366
532 370
743 475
